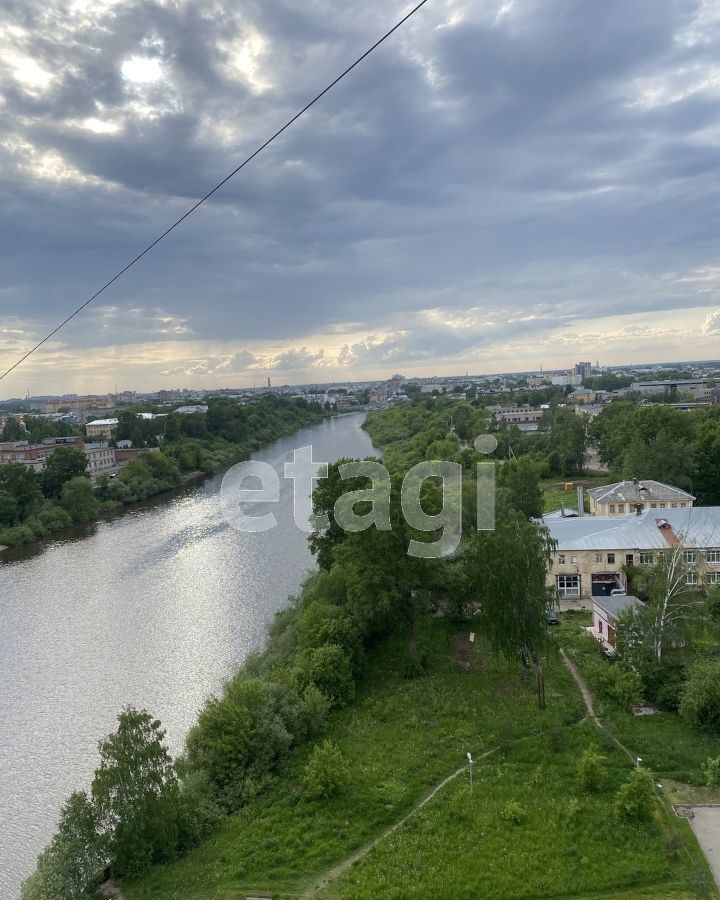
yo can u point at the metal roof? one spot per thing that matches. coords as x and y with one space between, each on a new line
637 492
697 526
616 603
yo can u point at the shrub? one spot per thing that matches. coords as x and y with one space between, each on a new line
700 701
328 668
325 772
711 771
241 735
635 799
514 813
619 684
591 771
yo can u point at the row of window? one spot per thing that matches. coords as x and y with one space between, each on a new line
570 585
621 507
712 557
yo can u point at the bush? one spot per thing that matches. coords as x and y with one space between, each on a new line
591 771
328 668
700 699
240 736
514 813
619 684
325 773
711 771
635 799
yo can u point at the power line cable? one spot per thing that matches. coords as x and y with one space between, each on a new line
217 187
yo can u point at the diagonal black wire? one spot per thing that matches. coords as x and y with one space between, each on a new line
219 185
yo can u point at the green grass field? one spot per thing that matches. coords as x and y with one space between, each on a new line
567 844
555 495
400 739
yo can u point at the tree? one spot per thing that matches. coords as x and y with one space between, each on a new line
13 430
591 770
635 799
22 484
74 861
507 568
326 772
700 702
135 794
671 612
79 501
521 478
63 464
9 509
568 441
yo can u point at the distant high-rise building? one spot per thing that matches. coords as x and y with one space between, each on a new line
584 370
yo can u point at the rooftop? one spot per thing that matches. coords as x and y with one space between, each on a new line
616 604
637 492
654 529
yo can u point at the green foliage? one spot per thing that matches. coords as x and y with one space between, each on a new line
514 813
507 568
134 793
635 799
240 736
711 771
64 464
521 478
23 485
591 771
72 865
567 443
700 701
9 509
326 772
328 668
78 500
620 684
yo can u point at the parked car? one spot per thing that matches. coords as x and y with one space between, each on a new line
552 617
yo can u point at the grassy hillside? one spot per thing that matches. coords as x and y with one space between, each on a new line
400 739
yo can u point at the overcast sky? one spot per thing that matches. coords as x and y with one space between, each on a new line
501 185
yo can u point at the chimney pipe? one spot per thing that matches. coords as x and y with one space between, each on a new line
581 500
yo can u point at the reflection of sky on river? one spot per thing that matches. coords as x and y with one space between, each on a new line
154 609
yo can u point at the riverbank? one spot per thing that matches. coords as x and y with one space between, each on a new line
180 597
161 473
405 822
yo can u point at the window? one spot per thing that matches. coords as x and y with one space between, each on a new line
573 560
663 505
611 509
600 629
673 505
598 557
713 557
690 556
568 585
646 559
713 577
691 578
561 559
611 558
621 507
653 506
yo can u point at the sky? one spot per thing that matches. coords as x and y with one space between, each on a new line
504 184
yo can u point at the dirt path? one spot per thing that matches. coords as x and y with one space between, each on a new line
588 700
340 869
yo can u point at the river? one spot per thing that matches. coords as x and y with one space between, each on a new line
153 608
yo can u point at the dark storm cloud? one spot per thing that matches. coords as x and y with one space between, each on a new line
556 155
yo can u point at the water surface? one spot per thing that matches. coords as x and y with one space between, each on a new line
153 608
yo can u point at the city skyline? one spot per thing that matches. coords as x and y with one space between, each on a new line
503 185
